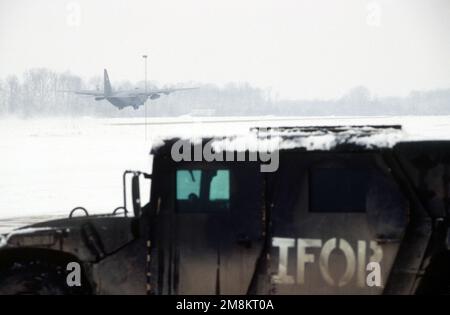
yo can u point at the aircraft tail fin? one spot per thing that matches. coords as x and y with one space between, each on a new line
107 85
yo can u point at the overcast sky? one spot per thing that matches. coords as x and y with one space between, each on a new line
301 49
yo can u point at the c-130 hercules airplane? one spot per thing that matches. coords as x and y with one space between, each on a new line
121 99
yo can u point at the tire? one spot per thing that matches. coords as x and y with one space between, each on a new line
34 278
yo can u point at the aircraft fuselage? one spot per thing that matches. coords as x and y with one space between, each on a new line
124 101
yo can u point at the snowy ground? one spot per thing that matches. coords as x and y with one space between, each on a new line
49 166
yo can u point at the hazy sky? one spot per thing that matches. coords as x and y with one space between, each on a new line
301 49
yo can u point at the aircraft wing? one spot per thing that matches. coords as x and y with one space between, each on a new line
84 92
164 91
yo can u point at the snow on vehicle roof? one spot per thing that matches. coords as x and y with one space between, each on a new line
309 138
310 133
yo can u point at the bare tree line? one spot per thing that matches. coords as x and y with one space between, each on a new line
38 93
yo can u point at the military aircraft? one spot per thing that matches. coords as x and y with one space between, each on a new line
121 99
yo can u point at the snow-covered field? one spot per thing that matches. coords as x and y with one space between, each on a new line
49 166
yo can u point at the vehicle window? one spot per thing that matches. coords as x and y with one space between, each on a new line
338 189
220 186
202 190
188 184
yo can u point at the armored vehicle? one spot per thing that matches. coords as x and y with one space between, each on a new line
286 210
